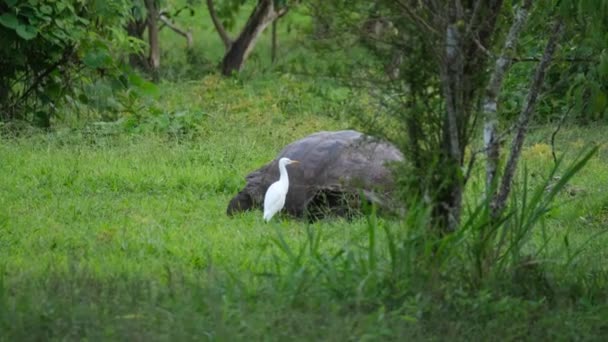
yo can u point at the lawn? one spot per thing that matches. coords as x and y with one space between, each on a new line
119 231
113 222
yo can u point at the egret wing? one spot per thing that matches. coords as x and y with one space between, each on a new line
273 201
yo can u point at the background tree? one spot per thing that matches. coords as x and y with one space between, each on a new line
445 52
441 96
153 41
136 26
50 45
148 15
237 50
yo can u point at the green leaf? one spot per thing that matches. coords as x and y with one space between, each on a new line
603 67
60 6
83 98
600 101
135 79
82 20
95 59
27 32
53 89
46 9
10 3
9 20
149 88
145 87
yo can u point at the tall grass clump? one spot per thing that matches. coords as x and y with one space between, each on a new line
512 251
487 269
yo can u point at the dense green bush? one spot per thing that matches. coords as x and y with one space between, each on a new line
54 50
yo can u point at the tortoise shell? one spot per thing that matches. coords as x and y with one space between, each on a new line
335 169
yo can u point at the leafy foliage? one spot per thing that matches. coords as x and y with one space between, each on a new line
54 47
576 83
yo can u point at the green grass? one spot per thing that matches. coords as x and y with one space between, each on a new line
121 232
117 230
79 218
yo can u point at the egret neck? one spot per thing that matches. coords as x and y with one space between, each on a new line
284 178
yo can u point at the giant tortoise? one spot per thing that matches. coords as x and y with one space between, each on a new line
334 169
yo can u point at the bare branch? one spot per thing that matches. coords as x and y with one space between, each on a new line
566 59
262 15
417 18
453 63
221 30
38 79
482 48
179 10
474 16
523 122
185 34
503 63
559 125
281 12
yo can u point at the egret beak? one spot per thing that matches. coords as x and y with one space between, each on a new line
295 162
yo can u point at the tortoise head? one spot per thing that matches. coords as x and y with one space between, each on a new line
241 202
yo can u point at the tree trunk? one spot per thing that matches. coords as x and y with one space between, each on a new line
218 25
490 135
263 14
273 47
135 28
176 29
154 55
461 68
448 206
523 121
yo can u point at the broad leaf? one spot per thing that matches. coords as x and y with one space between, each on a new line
96 58
27 32
145 87
603 67
46 9
9 20
599 101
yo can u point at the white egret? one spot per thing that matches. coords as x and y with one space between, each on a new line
276 193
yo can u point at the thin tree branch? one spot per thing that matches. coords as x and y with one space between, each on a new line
417 18
499 202
40 77
566 59
503 63
474 16
281 12
482 48
179 10
559 125
221 30
176 29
